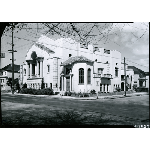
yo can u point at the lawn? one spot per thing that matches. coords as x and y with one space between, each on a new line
52 111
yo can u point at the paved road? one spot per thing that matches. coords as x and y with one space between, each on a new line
135 107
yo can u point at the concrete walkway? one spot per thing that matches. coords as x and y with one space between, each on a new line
83 98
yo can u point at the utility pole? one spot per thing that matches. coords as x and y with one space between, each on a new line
12 61
0 89
12 51
125 75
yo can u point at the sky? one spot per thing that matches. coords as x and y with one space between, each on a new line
131 39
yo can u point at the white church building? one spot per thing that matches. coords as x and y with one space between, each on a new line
66 65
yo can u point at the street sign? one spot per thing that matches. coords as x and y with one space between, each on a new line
2 55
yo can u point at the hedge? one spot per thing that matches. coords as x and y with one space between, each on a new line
46 91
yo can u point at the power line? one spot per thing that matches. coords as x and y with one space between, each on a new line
137 64
62 47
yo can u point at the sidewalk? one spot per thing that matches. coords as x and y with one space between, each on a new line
82 98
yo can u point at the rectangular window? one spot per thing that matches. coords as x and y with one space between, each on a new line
122 77
116 72
24 71
100 70
114 86
48 68
106 51
84 45
51 85
95 49
104 87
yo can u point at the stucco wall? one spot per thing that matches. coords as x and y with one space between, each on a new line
62 49
75 70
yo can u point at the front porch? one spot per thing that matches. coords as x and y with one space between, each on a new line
142 82
34 83
66 82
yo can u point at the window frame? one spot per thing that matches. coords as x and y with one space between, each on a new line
48 68
101 70
100 87
89 76
116 72
24 71
81 75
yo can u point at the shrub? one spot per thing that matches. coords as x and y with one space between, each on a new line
93 91
134 87
83 94
118 89
24 85
30 91
142 89
86 94
38 92
34 91
42 84
24 91
46 91
67 93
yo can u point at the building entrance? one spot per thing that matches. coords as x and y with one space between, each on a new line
122 86
67 84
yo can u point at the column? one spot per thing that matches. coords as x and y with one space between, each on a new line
30 70
27 73
124 86
70 82
62 82
85 78
37 69
102 88
106 88
41 69
109 88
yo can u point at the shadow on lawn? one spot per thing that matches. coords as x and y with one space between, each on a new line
65 118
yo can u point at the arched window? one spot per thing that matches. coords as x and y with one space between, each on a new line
89 76
81 75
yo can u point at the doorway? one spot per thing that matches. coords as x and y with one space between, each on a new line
68 84
122 86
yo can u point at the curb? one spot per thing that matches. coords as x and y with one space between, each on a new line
85 98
